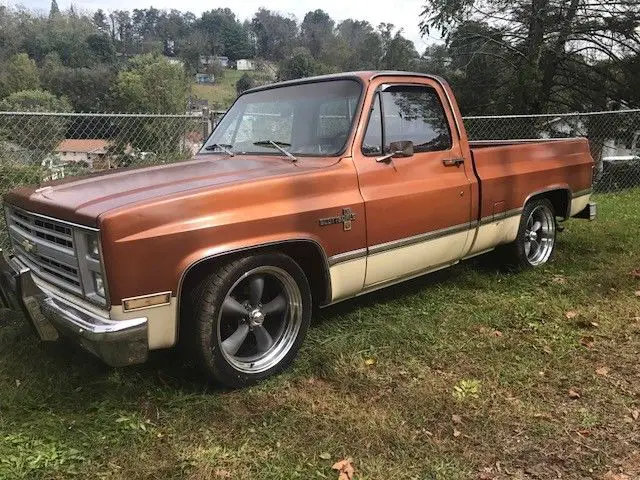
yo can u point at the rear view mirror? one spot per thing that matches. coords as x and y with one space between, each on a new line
403 148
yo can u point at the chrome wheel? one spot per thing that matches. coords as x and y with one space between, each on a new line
259 319
539 235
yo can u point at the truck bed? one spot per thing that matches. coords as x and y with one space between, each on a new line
509 171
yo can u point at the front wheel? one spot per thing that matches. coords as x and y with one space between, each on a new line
536 235
251 316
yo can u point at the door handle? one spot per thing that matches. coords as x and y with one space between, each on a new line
452 162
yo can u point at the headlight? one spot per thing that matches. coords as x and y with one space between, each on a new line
93 245
98 283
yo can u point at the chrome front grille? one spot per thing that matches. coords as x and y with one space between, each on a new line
46 246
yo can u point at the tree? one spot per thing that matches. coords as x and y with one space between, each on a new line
473 64
399 53
543 42
301 64
20 73
362 43
150 84
100 21
274 33
54 11
245 82
225 34
87 89
45 134
316 31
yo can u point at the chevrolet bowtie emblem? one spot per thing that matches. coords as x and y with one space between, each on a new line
28 246
345 219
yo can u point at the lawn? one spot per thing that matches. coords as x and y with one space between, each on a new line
222 94
472 373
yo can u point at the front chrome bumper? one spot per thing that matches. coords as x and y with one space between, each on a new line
116 342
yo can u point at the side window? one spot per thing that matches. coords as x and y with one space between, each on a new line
415 113
372 144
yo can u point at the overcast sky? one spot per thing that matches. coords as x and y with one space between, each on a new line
402 13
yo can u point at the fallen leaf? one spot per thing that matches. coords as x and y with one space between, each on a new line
637 293
220 473
573 394
587 341
370 361
635 273
571 314
345 469
325 456
456 419
547 350
486 474
635 414
615 476
497 333
603 371
595 324
456 433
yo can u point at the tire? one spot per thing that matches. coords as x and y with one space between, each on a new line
250 318
536 239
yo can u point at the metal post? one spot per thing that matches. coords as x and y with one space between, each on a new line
205 123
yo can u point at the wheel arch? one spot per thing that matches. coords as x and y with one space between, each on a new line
306 252
558 195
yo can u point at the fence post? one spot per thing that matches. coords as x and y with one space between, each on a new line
205 123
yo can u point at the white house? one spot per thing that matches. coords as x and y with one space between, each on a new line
92 151
245 64
206 60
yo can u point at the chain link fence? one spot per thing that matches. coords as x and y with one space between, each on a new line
614 139
41 146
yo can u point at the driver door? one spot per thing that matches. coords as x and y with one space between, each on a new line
418 208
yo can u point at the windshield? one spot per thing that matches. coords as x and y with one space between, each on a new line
304 119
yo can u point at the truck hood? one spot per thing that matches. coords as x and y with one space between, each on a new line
83 200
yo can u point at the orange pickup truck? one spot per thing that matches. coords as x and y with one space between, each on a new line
307 193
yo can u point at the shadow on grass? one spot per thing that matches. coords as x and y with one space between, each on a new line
80 378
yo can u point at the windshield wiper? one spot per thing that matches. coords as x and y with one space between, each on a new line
278 145
225 147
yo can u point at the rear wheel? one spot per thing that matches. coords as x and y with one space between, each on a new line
251 318
536 238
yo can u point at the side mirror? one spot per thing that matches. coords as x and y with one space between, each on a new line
403 148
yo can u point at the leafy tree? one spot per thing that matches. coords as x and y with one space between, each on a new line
473 63
274 33
149 83
87 89
225 34
54 10
102 48
544 42
301 64
316 31
45 134
399 53
20 73
363 44
100 21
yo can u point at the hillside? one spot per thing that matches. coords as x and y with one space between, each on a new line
222 94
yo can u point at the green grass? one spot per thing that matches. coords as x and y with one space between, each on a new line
222 94
470 378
